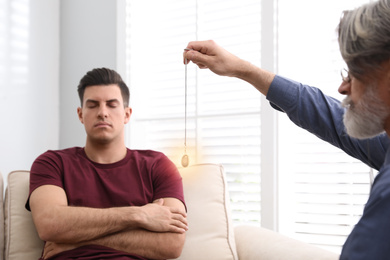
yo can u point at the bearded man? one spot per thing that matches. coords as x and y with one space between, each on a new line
360 125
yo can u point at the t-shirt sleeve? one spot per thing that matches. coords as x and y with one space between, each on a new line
167 181
46 170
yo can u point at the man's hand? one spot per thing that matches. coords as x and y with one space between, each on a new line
209 55
159 218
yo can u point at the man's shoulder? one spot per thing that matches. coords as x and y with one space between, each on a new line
145 153
148 156
72 151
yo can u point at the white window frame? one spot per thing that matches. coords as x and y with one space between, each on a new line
269 122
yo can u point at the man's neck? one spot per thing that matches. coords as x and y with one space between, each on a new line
105 153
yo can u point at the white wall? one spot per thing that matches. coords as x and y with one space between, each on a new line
30 115
89 39
67 39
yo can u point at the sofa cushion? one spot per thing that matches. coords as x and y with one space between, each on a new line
21 237
256 243
210 234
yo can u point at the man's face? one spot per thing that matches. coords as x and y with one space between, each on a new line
368 105
103 114
365 118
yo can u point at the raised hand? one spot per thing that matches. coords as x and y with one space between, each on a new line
209 55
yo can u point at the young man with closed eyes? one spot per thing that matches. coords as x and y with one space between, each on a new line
103 200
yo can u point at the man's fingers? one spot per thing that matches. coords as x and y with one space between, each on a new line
178 227
198 58
205 47
180 221
180 218
178 212
162 218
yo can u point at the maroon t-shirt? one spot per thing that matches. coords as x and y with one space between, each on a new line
140 178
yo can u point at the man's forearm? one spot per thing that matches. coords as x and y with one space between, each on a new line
131 228
257 77
78 224
66 224
146 243
153 245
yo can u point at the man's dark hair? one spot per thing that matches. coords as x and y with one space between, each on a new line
103 76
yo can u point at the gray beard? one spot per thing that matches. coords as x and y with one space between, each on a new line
365 119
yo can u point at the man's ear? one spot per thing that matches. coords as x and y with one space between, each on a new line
128 112
80 114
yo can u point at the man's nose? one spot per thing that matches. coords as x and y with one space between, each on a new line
345 88
103 112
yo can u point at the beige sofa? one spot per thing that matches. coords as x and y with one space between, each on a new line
211 235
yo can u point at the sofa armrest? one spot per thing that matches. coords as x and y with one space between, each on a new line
255 243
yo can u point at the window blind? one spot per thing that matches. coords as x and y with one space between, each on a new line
220 128
14 75
14 22
3 37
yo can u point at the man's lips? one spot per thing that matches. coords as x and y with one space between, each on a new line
102 124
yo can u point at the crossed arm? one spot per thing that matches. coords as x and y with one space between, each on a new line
155 230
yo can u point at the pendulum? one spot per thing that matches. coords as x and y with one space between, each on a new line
185 160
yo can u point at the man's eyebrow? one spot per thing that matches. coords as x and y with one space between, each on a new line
112 100
91 101
107 101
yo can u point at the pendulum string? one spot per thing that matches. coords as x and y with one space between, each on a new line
185 159
185 109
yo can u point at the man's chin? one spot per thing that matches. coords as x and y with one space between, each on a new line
101 140
362 135
361 130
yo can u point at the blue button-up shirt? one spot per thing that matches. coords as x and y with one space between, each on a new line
322 115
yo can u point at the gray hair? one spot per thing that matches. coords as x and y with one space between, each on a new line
364 37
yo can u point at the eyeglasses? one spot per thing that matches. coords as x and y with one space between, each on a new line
345 76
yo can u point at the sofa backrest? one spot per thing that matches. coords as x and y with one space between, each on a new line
21 237
210 234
